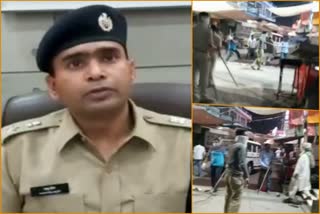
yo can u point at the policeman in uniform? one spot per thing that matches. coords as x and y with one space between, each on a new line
213 55
202 44
236 173
102 153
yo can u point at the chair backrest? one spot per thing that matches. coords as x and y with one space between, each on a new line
165 98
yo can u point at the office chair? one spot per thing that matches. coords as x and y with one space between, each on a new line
165 98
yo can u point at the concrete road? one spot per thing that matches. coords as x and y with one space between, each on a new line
255 87
204 202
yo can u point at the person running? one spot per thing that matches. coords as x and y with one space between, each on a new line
260 52
232 49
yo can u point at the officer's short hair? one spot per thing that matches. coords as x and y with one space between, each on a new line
203 15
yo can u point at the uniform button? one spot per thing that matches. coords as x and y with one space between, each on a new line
84 139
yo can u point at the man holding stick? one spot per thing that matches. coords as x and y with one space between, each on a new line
237 173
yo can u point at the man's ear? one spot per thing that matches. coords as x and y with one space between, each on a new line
51 84
133 73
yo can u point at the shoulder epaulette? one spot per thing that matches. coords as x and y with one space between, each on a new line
168 120
30 125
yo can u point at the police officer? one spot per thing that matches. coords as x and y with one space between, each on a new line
237 173
202 44
102 153
215 52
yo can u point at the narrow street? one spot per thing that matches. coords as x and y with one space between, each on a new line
252 201
255 87
206 202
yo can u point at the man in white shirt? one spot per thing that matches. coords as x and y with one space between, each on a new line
278 153
284 48
252 45
199 153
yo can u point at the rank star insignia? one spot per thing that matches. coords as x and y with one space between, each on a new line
105 22
177 120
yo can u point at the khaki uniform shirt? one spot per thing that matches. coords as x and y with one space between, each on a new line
202 38
217 42
150 173
216 37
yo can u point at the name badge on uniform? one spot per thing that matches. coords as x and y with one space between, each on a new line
53 189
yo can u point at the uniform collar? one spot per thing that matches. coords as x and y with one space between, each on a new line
142 129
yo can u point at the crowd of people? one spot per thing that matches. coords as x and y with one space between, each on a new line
208 43
230 165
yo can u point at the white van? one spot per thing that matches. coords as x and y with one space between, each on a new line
253 155
277 38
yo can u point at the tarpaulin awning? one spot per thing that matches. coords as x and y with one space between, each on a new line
262 111
265 120
232 14
212 6
287 139
250 24
313 117
294 10
220 10
273 26
296 117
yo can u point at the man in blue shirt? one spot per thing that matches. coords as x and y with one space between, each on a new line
232 48
217 157
266 157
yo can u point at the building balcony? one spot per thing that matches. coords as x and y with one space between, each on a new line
204 115
257 10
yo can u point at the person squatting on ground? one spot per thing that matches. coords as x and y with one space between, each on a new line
300 181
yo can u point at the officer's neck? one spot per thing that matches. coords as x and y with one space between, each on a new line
109 128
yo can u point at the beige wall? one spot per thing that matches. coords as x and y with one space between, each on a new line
158 39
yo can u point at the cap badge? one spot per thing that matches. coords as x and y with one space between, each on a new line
105 22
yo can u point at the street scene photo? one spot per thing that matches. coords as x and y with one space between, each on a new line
249 159
256 53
